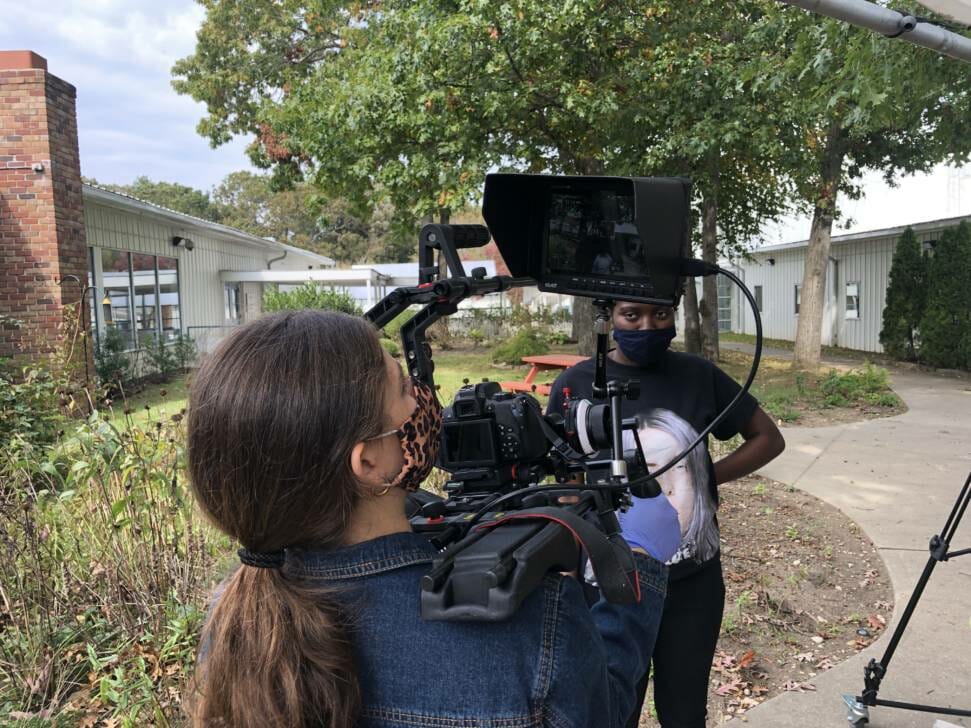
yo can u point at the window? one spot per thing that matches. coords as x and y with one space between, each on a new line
231 297
140 296
758 298
853 300
798 297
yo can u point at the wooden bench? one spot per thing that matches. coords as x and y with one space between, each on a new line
541 363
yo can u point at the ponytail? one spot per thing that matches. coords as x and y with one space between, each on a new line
278 653
274 414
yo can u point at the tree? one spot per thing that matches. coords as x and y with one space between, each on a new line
416 100
945 327
906 297
172 195
861 102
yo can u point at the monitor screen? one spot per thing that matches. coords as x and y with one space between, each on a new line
469 443
592 232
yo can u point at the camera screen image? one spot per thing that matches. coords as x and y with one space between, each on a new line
469 442
593 232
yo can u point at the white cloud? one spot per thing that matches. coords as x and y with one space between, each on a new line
119 56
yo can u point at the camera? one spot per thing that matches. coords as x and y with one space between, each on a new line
511 511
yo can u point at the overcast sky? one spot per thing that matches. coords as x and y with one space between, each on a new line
118 53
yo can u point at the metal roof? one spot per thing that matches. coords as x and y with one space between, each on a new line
917 227
127 202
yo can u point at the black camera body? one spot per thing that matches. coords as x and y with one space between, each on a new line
491 439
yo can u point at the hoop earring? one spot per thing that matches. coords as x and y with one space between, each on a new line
383 491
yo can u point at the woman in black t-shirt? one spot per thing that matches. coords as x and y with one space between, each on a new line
679 395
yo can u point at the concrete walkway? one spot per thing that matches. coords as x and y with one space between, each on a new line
898 478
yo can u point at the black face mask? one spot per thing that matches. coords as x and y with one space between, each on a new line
644 346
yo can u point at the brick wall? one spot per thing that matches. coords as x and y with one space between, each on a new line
41 206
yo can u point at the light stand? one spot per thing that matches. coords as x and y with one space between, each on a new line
858 713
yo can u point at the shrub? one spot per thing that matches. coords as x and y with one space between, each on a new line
310 295
870 385
391 347
945 328
526 342
906 298
105 573
185 350
476 336
162 357
30 407
112 364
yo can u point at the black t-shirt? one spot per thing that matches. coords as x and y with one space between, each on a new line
679 396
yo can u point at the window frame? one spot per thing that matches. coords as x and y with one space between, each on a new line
846 300
797 298
97 268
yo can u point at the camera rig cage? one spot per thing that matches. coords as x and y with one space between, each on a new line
499 531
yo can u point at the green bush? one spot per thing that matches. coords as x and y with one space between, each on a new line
112 364
391 347
107 566
906 298
868 385
526 342
185 350
162 358
945 328
30 407
310 295
476 336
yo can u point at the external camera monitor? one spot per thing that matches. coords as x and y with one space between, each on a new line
601 237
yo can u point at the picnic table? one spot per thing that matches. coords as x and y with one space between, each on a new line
541 363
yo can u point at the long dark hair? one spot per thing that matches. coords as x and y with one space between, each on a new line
274 413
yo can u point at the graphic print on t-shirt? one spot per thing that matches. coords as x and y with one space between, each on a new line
661 436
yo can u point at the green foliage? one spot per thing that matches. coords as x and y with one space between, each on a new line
185 350
30 406
867 385
112 364
390 346
106 569
526 342
476 336
172 195
163 359
310 295
945 328
906 297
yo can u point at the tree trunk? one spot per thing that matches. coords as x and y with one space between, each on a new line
583 310
709 253
692 323
809 329
583 313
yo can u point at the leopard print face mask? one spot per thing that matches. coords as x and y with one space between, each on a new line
420 437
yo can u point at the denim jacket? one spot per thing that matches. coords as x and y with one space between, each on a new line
556 662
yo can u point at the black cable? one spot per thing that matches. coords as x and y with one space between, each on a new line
738 397
696 268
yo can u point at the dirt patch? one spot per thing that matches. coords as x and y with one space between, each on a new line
805 590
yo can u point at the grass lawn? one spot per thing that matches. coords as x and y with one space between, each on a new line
788 396
150 402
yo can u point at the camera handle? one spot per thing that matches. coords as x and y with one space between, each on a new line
614 391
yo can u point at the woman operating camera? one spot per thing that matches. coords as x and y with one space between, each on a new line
304 438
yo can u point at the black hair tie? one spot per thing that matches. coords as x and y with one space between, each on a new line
265 560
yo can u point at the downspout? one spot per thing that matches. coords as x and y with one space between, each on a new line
271 261
835 328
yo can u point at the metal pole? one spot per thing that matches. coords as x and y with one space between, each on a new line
891 23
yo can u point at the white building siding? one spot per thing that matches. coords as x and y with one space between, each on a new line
201 299
862 258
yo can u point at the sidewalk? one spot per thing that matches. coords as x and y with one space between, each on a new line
898 478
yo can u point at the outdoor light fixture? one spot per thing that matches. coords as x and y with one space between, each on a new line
179 242
106 301
771 261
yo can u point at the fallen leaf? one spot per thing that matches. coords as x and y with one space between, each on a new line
747 659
